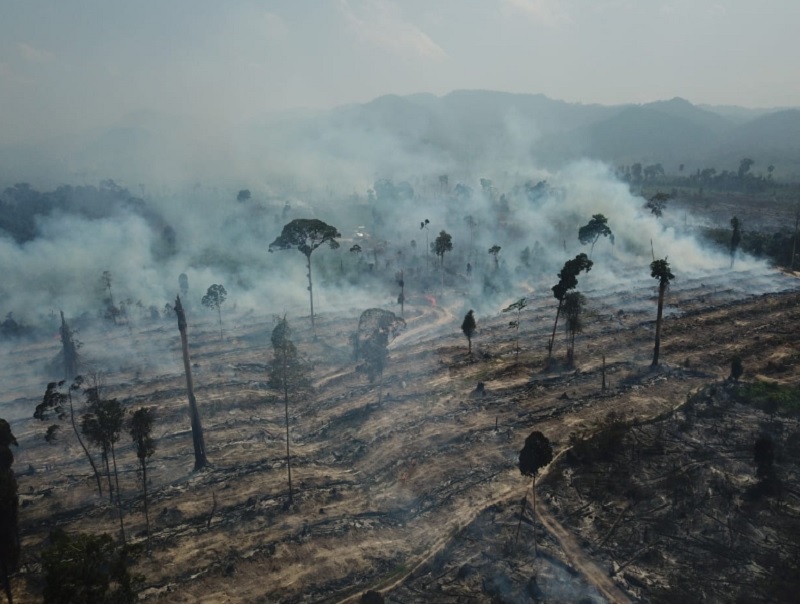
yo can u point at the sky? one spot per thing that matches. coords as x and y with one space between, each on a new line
82 64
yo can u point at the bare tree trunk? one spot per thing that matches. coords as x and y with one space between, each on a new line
143 462
555 326
200 460
286 408
108 477
311 294
661 289
83 446
119 500
69 351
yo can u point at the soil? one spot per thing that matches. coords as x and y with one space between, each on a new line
419 497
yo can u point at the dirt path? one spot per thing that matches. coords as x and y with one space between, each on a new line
594 573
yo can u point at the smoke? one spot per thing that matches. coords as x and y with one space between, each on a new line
484 192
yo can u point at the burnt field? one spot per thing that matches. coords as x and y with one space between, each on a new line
418 496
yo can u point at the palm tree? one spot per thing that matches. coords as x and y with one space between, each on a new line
659 269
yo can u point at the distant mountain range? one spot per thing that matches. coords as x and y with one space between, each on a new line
393 135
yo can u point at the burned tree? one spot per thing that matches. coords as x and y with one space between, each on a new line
57 402
69 349
214 299
514 324
401 298
200 460
468 327
140 428
376 328
592 231
9 506
567 280
536 454
288 375
306 235
659 269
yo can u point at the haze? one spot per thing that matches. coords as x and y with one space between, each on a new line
71 66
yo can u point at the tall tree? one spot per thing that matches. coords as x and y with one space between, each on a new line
69 350
55 401
288 374
441 245
573 309
535 455
306 235
659 269
468 326
494 251
567 280
424 225
102 425
9 510
592 231
514 324
214 299
736 237
140 428
200 459
376 328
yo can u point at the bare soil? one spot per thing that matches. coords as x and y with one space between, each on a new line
419 496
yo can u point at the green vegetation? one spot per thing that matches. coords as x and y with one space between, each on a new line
771 397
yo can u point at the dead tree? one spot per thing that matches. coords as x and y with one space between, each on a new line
69 349
200 460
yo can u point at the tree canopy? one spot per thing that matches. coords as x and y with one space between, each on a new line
306 235
592 231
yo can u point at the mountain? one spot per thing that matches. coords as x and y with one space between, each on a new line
466 132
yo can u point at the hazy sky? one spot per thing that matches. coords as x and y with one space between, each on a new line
72 64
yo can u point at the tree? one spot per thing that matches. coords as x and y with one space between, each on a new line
54 401
495 252
86 568
567 280
214 299
657 203
9 509
243 195
659 269
516 306
468 327
69 350
288 375
736 237
198 441
573 309
306 235
536 454
102 424
592 231
442 244
424 225
376 328
140 428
